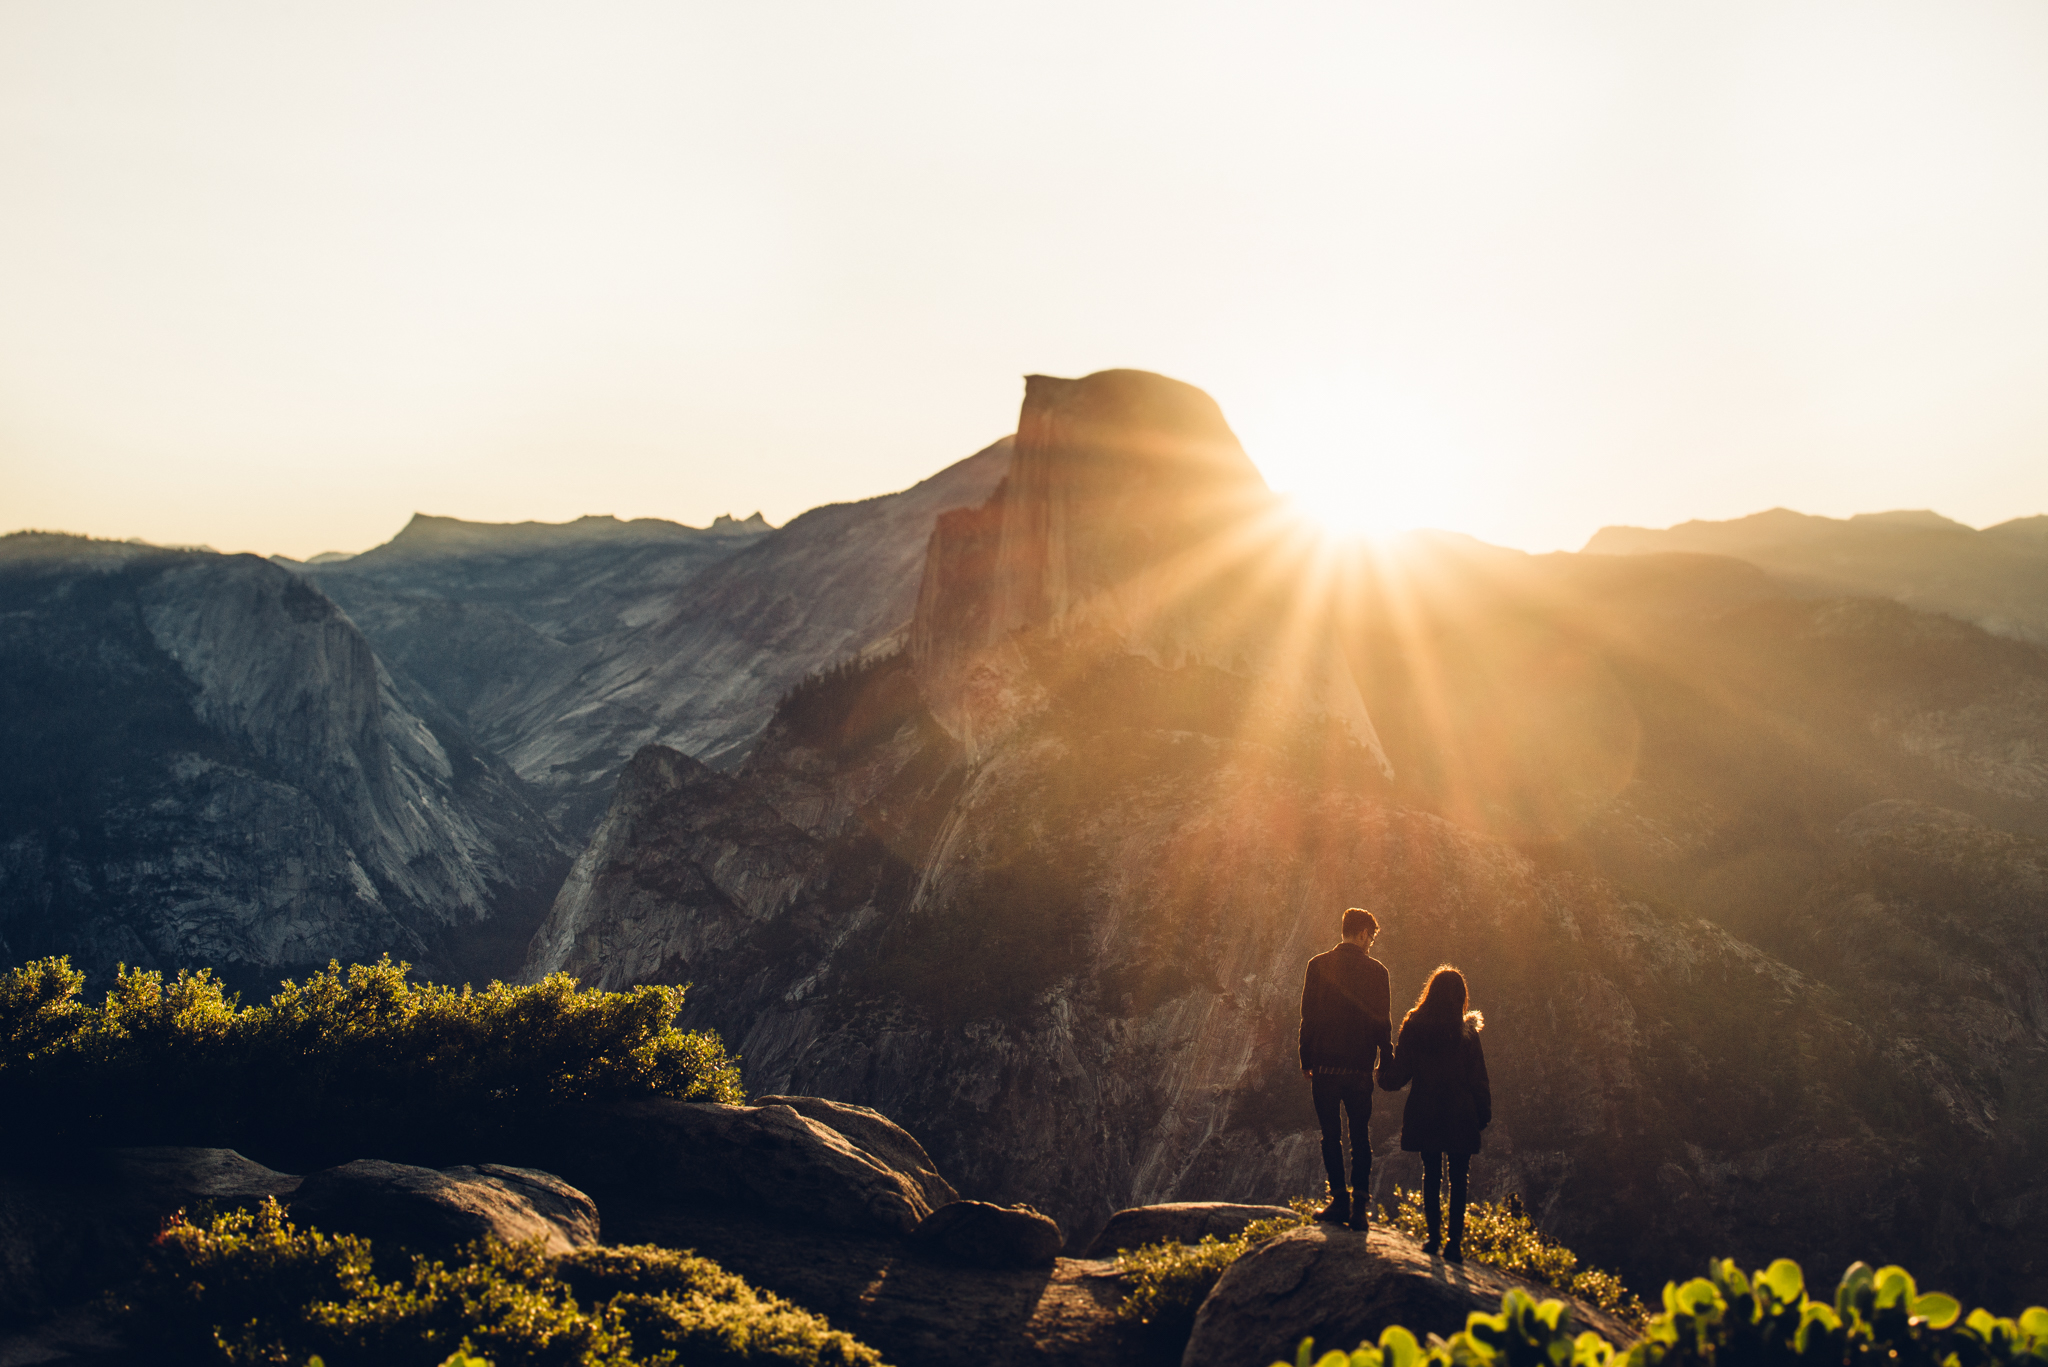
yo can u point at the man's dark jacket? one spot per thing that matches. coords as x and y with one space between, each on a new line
1345 1012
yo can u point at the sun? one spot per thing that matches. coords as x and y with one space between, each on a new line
1362 466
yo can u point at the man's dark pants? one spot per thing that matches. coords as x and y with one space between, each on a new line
1353 1092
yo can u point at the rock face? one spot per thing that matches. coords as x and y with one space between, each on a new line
437 1212
768 1160
1741 1002
1344 1288
565 651
206 763
980 1234
877 1136
1131 522
70 1227
1185 1222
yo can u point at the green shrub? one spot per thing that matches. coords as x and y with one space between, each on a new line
357 1058
1165 1283
1727 1318
1500 1234
249 1287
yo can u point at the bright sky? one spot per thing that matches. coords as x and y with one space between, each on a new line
275 274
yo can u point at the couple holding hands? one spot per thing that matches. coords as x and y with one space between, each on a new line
1346 1024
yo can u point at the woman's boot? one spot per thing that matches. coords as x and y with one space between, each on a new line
1338 1212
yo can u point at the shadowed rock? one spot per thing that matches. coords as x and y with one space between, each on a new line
432 1211
70 1227
984 1235
1184 1222
767 1159
1342 1288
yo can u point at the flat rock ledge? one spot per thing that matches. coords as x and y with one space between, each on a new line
1342 1288
1186 1222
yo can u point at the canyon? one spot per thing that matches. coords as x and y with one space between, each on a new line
1011 805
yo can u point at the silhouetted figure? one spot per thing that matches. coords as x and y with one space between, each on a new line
1451 1102
1346 1014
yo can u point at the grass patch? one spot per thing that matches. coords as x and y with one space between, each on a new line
249 1287
353 1060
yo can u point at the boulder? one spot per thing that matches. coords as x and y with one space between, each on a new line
1341 1288
72 1225
436 1212
880 1137
767 1160
1184 1222
984 1235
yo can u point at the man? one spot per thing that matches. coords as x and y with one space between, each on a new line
1345 1023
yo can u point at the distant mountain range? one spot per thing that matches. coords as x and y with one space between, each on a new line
1996 578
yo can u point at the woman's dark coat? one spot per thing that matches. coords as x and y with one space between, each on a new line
1451 1101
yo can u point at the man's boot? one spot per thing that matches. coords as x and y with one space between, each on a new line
1454 1251
1338 1212
1434 1219
1361 1210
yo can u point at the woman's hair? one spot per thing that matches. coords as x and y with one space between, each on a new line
1442 1003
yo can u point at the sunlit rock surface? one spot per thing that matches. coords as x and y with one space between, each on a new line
208 765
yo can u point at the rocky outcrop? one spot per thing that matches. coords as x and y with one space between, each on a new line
1182 1222
1342 1289
767 1160
73 1225
879 1137
437 1212
1131 521
207 764
981 1234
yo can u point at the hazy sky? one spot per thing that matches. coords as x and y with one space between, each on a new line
273 274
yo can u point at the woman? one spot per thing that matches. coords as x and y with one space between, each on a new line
1438 1051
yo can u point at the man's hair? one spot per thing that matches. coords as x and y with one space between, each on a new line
1357 921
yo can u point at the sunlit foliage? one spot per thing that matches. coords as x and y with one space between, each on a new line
249 1287
1726 1317
352 1060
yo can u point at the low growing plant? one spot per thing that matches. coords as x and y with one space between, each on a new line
249 1287
359 1059
1728 1318
1165 1283
1501 1235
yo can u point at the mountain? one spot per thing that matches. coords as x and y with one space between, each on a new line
565 648
205 763
1997 578
1749 883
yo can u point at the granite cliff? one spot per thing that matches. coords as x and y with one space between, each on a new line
208 765
1748 884
565 648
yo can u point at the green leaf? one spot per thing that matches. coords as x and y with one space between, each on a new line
2034 1324
1785 1279
1937 1310
1304 1356
1591 1350
1399 1347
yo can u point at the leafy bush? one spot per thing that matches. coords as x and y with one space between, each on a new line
1501 1235
249 1287
356 1059
1728 1318
1165 1283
